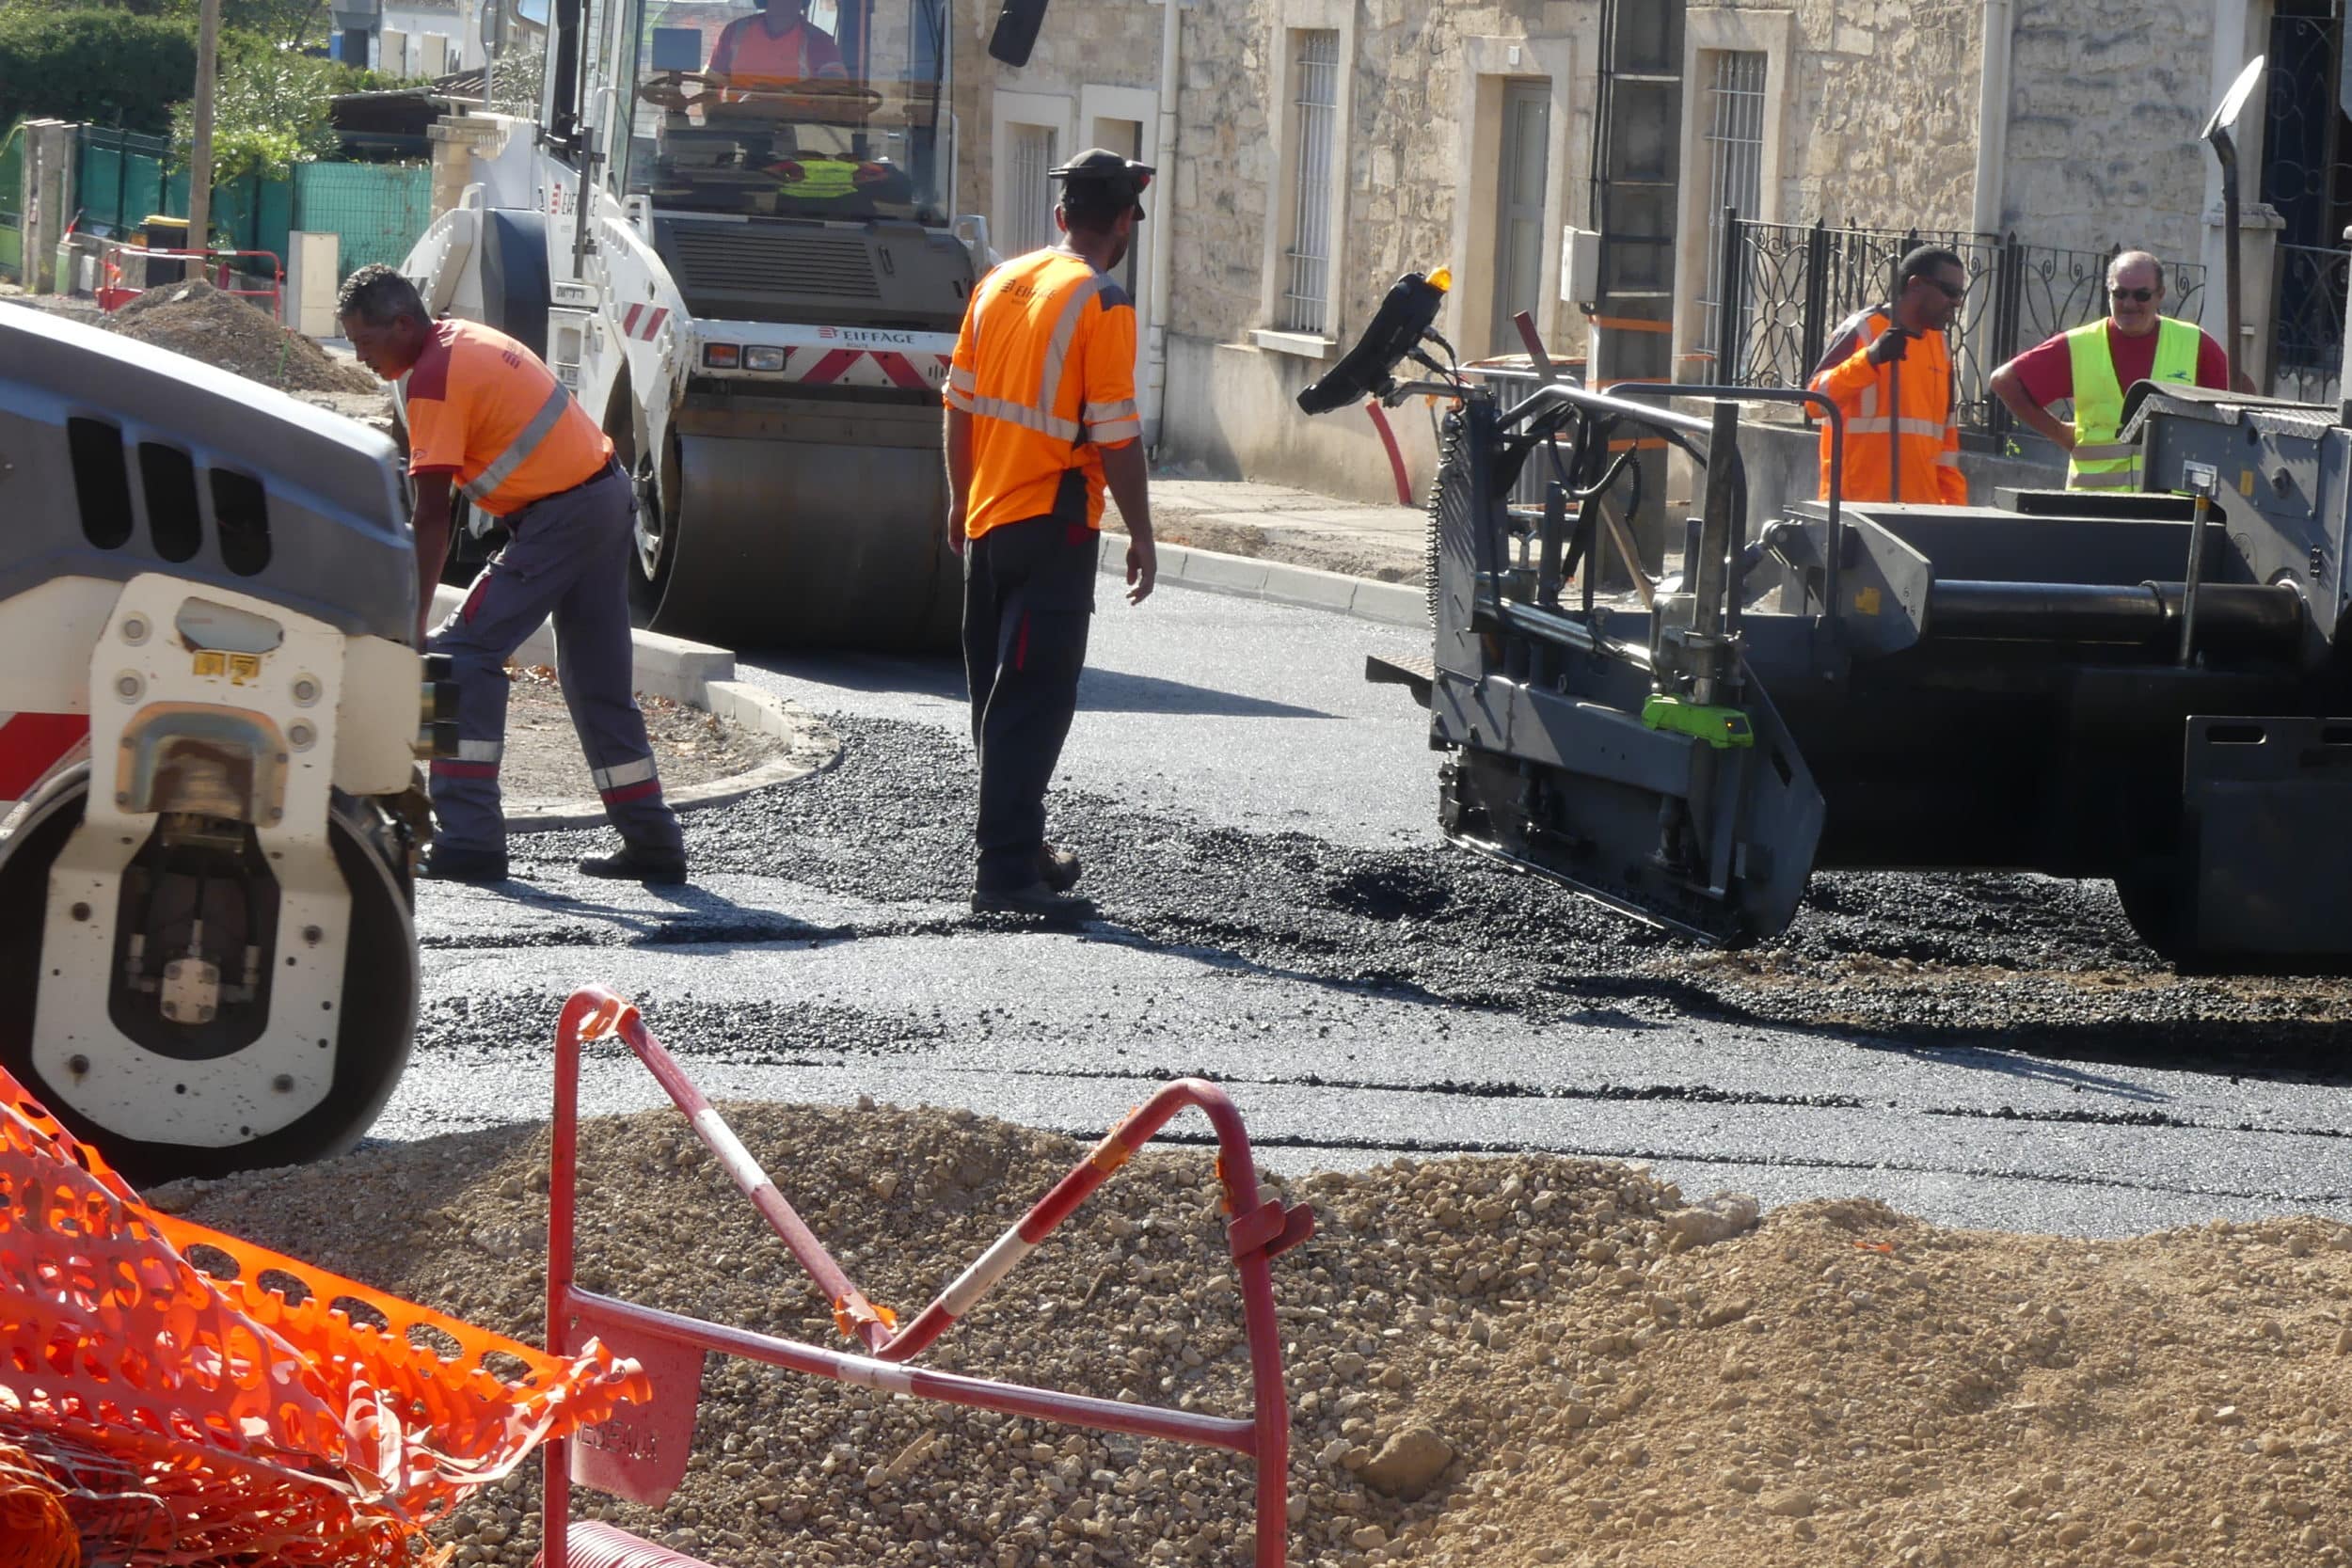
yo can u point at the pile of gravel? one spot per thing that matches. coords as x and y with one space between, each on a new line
1494 1362
221 329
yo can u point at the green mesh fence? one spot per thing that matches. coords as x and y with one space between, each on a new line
12 193
376 209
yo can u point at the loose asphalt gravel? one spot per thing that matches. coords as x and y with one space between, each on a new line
1279 914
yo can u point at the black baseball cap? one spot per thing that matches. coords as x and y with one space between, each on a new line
1118 179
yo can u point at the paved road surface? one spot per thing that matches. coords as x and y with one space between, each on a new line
1280 916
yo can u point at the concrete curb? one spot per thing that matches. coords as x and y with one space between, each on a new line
700 676
1392 604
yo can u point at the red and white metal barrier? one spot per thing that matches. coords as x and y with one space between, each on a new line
113 294
642 1457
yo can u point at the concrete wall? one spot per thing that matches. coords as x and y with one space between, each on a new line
2104 110
1236 418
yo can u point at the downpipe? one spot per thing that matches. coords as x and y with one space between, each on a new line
1992 81
1162 229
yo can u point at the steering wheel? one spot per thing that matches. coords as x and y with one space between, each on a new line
667 91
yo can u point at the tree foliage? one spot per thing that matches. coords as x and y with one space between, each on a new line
93 63
269 111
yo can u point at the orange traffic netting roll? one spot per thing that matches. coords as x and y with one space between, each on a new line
254 1409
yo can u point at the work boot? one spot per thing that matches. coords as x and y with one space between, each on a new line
638 863
1036 899
1059 869
451 863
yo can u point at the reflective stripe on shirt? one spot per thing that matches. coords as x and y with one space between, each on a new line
485 483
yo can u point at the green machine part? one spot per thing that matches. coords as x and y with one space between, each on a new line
1720 727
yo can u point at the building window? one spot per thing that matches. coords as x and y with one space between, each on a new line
1735 152
1029 199
1315 95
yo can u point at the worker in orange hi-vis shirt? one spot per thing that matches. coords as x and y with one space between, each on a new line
776 44
486 419
1041 415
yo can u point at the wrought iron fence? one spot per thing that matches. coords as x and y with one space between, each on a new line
2307 352
1799 282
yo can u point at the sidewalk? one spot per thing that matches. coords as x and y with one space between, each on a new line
1273 522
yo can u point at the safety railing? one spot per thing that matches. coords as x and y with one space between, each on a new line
643 1458
116 259
2308 304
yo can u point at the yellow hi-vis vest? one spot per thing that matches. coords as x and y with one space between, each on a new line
2099 461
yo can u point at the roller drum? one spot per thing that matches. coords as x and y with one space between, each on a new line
774 543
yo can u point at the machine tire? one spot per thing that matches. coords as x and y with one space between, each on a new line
377 1015
2152 907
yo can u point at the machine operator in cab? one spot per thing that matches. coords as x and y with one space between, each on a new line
1040 416
774 45
487 420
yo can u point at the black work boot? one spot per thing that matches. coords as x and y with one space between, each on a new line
638 862
451 863
1035 899
1060 870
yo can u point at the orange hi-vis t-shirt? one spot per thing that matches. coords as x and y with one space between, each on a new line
748 53
1046 367
481 406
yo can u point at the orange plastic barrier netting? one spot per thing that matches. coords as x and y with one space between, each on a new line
254 1409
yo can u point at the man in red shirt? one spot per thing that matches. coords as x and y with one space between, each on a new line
2135 331
486 419
778 45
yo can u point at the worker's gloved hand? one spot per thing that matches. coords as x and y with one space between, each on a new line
1888 346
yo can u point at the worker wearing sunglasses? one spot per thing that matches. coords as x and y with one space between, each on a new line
1890 371
2094 365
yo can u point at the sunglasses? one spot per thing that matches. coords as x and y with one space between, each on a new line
2138 296
1948 292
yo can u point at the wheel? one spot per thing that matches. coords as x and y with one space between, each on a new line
377 1004
2157 915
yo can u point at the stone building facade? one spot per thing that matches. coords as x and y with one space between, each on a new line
1323 147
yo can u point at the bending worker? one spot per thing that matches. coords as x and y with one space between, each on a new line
1041 415
486 419
2095 364
1889 370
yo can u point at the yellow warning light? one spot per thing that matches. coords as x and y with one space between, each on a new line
1441 279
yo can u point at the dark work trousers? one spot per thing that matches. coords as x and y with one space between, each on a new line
1028 597
569 556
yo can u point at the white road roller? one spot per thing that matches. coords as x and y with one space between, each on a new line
738 250
211 710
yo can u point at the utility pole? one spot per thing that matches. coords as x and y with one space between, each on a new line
200 156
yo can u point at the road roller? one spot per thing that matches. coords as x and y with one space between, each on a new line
211 711
2150 687
733 241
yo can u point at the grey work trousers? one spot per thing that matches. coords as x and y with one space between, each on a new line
1029 600
569 556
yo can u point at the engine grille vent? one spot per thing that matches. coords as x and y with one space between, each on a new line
735 260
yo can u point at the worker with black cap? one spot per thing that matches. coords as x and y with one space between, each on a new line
1041 415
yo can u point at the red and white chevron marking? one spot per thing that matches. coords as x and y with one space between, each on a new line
32 743
641 322
854 367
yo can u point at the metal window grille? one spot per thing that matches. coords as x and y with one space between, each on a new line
1029 204
1305 302
1735 146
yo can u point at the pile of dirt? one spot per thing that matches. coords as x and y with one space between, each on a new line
223 330
543 760
1502 1362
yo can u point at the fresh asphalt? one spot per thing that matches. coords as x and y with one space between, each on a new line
1280 915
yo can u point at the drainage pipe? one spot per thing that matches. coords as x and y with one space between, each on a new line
1992 114
1163 226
